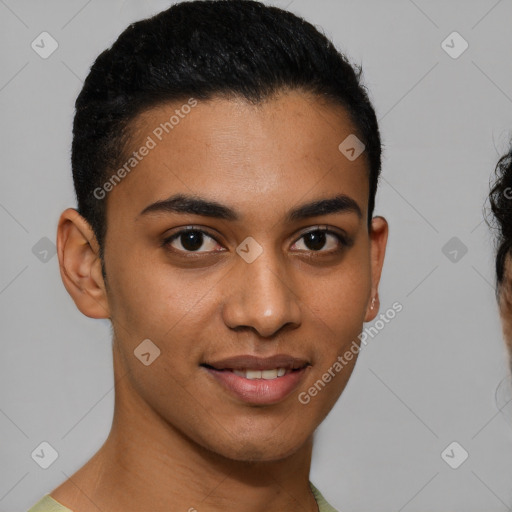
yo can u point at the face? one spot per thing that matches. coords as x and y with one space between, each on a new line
505 304
242 233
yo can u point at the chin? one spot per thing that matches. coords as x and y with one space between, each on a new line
259 449
254 452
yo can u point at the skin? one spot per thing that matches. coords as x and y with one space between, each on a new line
178 439
505 305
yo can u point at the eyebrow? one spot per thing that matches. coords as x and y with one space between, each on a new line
186 204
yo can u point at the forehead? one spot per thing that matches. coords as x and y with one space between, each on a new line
273 152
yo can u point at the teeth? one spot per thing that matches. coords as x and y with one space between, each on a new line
253 374
261 374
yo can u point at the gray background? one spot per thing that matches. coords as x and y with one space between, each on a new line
427 379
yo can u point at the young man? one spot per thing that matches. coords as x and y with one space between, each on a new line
225 159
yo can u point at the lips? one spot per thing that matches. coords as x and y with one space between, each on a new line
250 362
257 380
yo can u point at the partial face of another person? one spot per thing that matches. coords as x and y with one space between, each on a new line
242 263
505 304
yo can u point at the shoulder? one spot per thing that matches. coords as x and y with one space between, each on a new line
48 504
323 506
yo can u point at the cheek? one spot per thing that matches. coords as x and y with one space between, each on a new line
150 297
168 307
340 298
506 323
338 309
505 309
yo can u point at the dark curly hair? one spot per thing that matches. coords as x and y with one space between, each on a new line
204 49
500 198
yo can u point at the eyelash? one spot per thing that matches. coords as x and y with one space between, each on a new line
166 243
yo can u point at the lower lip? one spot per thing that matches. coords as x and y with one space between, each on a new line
259 391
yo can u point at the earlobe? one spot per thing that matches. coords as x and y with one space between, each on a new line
378 241
373 307
80 265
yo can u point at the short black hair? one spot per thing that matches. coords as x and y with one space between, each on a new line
203 49
500 198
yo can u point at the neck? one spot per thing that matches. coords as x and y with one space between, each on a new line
147 464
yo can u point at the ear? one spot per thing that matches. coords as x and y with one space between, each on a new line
80 265
378 241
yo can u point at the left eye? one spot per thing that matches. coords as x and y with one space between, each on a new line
191 240
318 239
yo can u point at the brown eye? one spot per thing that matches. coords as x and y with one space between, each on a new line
321 240
191 240
315 240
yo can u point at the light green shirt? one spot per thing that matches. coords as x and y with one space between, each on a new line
49 504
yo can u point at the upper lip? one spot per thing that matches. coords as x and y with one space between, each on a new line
250 362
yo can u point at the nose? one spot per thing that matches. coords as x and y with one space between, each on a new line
260 296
